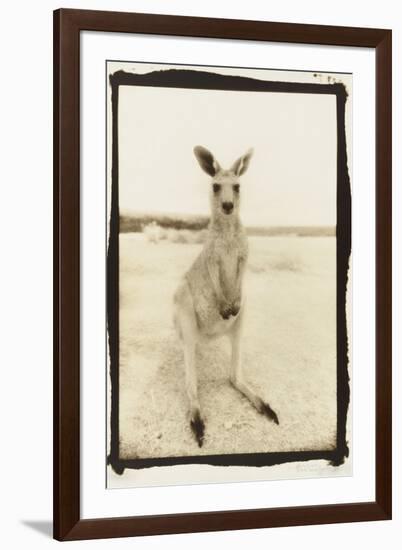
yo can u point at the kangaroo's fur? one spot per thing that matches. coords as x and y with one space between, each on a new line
209 301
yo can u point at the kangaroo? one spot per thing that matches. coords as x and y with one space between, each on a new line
209 301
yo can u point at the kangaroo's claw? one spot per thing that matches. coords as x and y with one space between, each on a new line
266 410
198 428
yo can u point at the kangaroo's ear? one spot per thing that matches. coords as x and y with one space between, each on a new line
206 160
241 164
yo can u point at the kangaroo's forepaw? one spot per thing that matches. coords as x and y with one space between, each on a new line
225 312
266 410
198 428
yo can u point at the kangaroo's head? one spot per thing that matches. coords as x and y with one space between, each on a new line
225 184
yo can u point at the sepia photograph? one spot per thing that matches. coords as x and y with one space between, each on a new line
228 271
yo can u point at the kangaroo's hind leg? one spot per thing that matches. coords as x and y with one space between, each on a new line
186 325
237 376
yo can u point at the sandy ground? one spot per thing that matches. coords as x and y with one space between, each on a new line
289 352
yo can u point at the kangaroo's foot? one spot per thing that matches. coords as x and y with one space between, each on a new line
261 406
197 427
266 410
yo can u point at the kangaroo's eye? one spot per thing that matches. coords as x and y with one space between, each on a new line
216 187
236 188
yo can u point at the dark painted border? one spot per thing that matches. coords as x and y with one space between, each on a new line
68 524
207 80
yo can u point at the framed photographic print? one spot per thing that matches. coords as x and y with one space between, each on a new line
222 336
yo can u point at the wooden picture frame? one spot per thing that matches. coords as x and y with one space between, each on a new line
68 524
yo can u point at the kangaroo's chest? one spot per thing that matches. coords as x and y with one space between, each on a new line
229 266
230 254
226 255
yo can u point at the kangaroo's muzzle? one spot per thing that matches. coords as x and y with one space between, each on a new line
227 207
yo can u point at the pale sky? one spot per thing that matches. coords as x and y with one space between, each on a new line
292 175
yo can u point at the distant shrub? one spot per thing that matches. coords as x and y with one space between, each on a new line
181 237
286 264
275 263
200 236
185 236
153 232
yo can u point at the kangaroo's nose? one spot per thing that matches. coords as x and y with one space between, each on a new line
227 207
